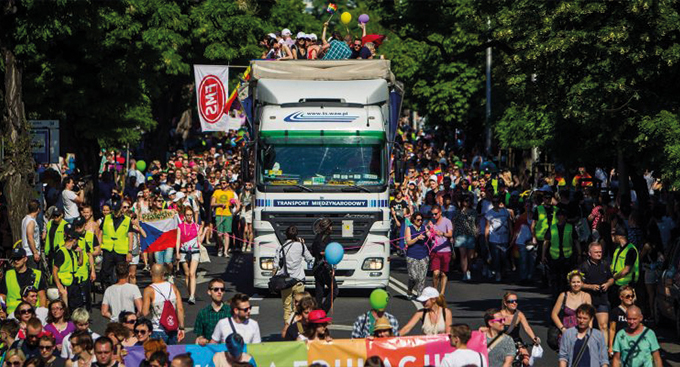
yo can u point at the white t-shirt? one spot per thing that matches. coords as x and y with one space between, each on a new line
68 202
249 330
499 225
121 297
464 358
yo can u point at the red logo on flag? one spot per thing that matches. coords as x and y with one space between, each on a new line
211 98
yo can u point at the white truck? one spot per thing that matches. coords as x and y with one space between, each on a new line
323 133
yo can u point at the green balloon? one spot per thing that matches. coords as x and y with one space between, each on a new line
379 299
141 165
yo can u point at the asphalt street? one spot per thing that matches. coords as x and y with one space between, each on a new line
468 302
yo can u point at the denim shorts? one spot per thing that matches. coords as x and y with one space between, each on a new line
464 241
165 256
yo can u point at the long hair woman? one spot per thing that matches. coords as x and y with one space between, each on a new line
324 274
436 318
417 254
189 237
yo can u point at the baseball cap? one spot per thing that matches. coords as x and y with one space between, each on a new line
272 35
172 192
18 253
140 194
428 292
286 32
56 212
301 35
312 36
70 232
179 196
433 178
79 222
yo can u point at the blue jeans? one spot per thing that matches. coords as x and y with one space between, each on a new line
527 262
499 252
169 338
165 256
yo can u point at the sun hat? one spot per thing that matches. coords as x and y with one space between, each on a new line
382 324
318 317
428 292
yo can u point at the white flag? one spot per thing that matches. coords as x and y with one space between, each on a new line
212 96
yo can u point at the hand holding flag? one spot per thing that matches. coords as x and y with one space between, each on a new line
332 8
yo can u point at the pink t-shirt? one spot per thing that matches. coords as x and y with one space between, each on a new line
188 236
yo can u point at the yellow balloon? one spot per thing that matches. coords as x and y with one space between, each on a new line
346 17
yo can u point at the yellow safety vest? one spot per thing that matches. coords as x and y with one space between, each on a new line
619 262
567 242
542 222
85 243
58 237
67 270
116 240
13 289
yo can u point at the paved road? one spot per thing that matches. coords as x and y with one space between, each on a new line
467 301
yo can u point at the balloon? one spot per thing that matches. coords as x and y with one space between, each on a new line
141 165
120 160
334 253
345 18
178 164
363 18
379 298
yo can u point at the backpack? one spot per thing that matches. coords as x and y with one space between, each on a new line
168 319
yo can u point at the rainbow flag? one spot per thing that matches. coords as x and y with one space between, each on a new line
438 173
332 8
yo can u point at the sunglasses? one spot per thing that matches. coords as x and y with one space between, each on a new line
25 311
57 309
14 364
140 331
218 289
436 213
245 309
126 207
511 301
628 296
46 347
501 320
129 322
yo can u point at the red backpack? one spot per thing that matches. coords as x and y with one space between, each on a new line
168 319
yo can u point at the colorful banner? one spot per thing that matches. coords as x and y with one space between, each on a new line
211 96
405 351
161 230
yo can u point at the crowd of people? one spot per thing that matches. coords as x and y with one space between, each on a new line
453 214
307 46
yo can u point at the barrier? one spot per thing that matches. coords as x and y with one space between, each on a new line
405 351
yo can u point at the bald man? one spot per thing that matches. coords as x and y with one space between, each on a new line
153 302
636 345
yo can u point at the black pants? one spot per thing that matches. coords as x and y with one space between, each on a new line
324 283
558 274
107 275
79 295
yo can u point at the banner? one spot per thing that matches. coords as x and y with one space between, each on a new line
161 230
211 97
405 351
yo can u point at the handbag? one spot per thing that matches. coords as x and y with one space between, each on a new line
554 334
282 281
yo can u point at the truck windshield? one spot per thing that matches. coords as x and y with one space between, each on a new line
325 165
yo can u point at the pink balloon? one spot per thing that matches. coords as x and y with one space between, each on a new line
363 18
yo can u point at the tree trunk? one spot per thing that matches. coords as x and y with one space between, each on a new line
624 185
16 172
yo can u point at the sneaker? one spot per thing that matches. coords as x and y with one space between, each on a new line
192 300
498 276
220 253
468 276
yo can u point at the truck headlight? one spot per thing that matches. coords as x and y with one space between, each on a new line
372 263
267 263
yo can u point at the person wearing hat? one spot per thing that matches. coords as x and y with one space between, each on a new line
382 329
286 35
435 317
317 327
625 265
19 278
221 201
53 236
67 260
116 240
89 244
299 47
29 294
366 324
563 247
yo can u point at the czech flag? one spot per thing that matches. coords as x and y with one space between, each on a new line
332 8
161 231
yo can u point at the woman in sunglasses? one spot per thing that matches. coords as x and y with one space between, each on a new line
617 317
14 358
417 255
47 345
142 330
515 319
23 313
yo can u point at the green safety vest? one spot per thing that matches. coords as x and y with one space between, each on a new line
13 291
494 184
67 270
116 240
619 262
567 243
542 222
85 242
58 237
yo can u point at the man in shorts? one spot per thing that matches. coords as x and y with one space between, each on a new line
224 200
440 248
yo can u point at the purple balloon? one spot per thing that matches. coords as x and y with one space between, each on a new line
363 18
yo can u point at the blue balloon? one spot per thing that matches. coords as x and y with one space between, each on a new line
334 253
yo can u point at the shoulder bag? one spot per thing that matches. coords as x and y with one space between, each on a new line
582 350
554 333
282 281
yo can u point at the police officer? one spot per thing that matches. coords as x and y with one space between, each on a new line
116 241
67 260
625 264
54 235
89 244
19 278
561 251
